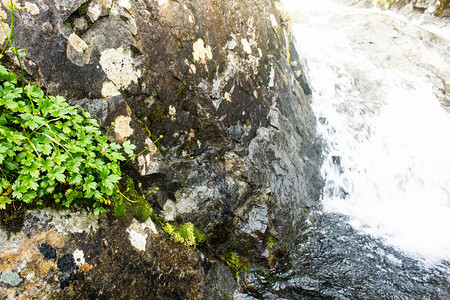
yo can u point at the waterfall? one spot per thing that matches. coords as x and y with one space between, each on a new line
387 160
378 92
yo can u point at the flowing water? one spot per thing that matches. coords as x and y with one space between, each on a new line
383 229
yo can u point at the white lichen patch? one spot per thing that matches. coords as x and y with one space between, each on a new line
227 96
119 66
71 222
246 46
200 52
272 77
191 19
192 69
139 232
231 44
170 211
148 162
47 27
162 2
172 110
31 8
77 51
122 127
78 256
274 22
94 11
124 3
109 89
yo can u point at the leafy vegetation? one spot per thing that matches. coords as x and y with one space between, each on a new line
49 147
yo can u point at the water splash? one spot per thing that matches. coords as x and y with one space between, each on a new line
387 162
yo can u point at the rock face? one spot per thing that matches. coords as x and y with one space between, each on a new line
218 79
73 255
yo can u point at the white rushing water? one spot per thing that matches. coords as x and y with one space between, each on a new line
373 77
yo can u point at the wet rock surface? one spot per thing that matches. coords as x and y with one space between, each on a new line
221 81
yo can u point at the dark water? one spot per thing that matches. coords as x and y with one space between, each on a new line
332 261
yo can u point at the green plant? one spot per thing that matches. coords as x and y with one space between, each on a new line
48 147
185 233
235 262
127 198
271 242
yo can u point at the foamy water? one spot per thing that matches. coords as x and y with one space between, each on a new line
387 160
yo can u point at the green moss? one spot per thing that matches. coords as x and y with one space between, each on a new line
118 207
82 10
237 263
187 145
271 242
142 210
129 199
144 126
181 88
68 24
158 112
185 234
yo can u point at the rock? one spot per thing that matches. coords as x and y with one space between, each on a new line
220 80
447 85
102 261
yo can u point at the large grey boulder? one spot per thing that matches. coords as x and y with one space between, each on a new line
220 80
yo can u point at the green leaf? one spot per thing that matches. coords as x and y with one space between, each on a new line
60 177
29 196
32 169
75 179
89 183
3 201
128 147
99 210
109 183
31 121
29 182
8 76
4 183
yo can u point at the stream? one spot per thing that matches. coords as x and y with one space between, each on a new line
378 92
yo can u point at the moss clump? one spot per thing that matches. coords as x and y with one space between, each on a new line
82 10
158 112
271 242
235 262
186 234
129 199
